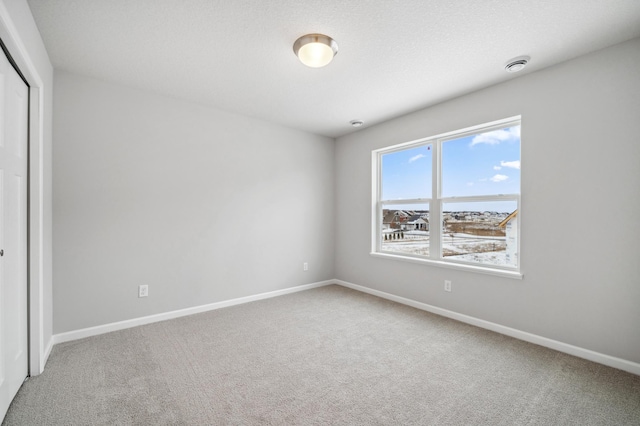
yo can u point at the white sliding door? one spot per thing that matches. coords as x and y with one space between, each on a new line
14 110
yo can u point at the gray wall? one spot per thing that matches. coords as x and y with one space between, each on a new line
205 206
580 205
201 205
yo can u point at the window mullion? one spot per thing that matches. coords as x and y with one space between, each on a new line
477 198
435 214
406 201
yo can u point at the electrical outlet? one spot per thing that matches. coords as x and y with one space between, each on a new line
143 290
305 266
447 285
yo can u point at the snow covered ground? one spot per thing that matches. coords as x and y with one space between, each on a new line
465 247
498 258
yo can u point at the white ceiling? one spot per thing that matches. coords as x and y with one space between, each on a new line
395 56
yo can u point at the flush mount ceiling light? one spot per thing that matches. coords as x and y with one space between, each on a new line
315 50
517 64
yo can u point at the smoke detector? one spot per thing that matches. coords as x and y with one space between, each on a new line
356 123
517 64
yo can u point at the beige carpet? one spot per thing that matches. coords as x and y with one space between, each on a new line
325 356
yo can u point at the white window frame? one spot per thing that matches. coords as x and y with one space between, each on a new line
436 202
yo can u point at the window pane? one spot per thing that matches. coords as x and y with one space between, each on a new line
405 229
407 174
481 232
482 164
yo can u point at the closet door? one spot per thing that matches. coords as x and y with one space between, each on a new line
14 110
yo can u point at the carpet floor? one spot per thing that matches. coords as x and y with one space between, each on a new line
329 355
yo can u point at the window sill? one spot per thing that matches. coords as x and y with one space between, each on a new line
468 268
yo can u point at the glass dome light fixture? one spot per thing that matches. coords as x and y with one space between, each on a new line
315 50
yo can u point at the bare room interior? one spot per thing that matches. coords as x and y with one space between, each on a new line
290 212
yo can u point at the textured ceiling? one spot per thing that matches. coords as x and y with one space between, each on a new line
394 56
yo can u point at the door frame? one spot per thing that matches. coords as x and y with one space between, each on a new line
38 349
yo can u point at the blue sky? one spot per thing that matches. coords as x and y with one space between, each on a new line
482 164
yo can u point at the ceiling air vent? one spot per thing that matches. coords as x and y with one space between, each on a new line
517 64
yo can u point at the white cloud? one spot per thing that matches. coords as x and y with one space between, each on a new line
497 168
511 164
469 183
416 157
497 136
499 178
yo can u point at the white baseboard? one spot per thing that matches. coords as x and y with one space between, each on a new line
47 352
38 368
619 363
121 325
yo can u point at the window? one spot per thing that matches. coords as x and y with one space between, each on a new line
452 199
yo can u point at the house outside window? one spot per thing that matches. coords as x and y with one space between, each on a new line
451 199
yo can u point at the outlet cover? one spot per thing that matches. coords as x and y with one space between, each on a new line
143 291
